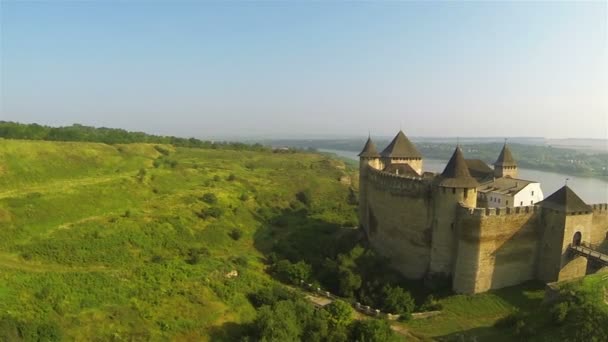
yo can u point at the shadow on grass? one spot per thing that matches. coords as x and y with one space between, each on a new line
229 331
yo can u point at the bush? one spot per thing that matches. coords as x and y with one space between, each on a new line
244 197
304 196
236 234
431 304
270 295
209 198
292 273
372 330
216 178
559 312
231 177
214 212
340 313
397 300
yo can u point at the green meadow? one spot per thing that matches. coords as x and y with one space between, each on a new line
153 242
118 242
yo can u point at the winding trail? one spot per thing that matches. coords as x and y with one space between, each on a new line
14 262
65 184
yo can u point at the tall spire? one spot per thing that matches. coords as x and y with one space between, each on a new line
565 200
369 150
401 147
505 158
456 173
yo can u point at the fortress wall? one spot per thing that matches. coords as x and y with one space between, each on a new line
497 247
599 226
399 211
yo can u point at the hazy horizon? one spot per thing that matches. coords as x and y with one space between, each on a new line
280 70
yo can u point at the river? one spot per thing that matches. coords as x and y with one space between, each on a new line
591 190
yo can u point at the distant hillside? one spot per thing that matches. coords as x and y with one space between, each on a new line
539 157
76 132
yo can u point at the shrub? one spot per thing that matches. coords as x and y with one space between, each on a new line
304 196
216 178
236 234
431 304
371 330
214 212
231 177
209 198
292 273
244 197
340 313
397 300
559 312
270 295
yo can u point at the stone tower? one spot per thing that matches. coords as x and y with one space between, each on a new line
402 151
505 165
566 220
369 157
456 187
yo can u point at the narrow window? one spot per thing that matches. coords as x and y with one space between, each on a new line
499 200
466 192
531 202
453 190
507 202
521 203
532 192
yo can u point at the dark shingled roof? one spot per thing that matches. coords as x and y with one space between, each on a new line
401 147
456 173
565 200
402 170
505 158
369 150
479 169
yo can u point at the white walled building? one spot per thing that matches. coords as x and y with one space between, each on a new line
509 192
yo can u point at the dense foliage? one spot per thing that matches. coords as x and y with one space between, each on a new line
76 132
531 156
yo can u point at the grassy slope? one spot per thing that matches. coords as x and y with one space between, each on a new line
87 244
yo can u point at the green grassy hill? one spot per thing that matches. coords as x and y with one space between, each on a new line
140 242
115 242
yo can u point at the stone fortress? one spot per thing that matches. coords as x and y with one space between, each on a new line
481 227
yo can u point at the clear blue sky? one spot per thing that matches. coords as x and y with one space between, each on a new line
296 69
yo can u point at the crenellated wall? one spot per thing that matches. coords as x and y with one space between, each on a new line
599 226
425 229
497 247
399 219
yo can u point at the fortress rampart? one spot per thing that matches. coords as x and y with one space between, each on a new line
392 201
496 247
429 225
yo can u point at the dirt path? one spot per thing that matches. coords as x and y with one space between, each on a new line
15 262
395 326
66 184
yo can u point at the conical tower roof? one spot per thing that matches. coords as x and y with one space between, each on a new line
369 150
505 158
566 200
456 173
401 147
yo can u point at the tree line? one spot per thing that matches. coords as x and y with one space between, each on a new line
77 132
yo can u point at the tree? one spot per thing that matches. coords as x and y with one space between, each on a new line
372 330
209 198
292 273
277 323
349 282
397 300
340 313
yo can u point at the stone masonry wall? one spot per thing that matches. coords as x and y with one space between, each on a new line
399 221
599 227
496 248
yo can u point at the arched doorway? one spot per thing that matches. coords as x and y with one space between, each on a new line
576 240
